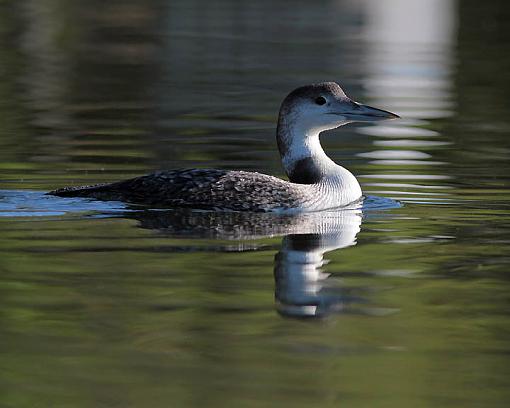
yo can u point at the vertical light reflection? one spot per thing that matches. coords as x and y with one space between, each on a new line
410 55
408 65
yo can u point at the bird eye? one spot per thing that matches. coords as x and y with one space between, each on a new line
320 100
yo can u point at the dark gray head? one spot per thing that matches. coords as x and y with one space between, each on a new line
325 106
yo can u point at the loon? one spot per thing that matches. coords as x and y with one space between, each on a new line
315 183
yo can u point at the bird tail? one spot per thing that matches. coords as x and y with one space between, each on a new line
80 191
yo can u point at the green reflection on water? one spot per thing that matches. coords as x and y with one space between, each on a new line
101 312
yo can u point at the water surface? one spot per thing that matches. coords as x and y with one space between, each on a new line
107 305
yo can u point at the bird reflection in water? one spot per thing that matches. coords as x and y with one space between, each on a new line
302 288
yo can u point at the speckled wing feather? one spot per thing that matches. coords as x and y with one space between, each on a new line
198 188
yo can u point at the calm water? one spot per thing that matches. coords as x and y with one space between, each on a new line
404 303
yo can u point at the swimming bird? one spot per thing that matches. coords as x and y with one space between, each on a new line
315 181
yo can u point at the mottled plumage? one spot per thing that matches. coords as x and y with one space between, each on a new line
201 189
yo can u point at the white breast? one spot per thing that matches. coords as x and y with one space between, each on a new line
337 190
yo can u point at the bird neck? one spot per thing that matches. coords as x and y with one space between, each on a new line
302 155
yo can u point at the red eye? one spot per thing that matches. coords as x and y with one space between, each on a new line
320 100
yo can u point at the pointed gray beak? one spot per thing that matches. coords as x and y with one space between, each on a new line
358 112
370 113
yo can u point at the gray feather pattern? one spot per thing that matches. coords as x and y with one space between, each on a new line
198 188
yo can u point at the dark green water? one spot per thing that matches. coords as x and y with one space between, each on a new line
392 306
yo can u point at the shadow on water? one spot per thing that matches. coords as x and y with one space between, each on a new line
302 288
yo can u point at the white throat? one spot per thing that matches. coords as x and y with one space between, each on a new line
304 143
305 162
